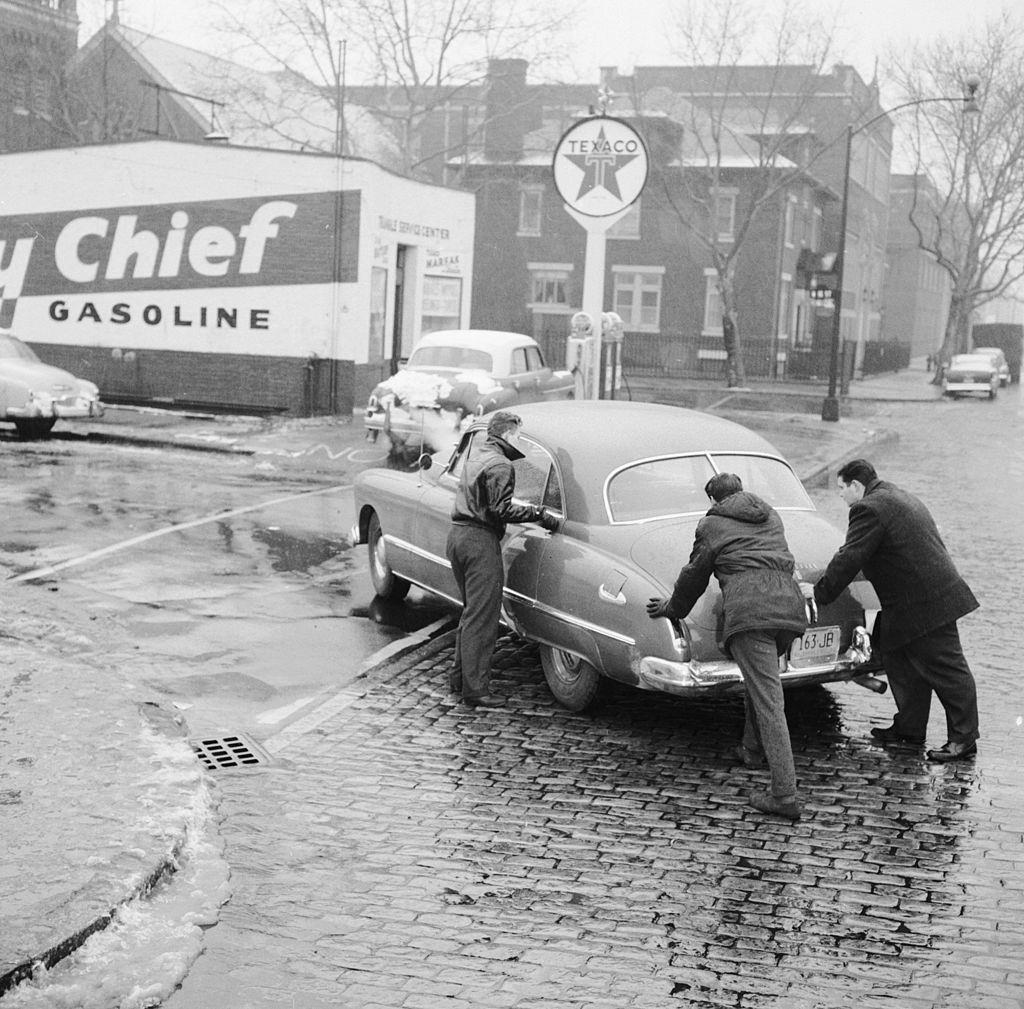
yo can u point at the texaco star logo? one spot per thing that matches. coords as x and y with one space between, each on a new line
595 165
600 166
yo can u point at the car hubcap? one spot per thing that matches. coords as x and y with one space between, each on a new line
568 667
380 558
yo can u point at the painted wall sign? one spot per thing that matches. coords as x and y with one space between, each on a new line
236 243
600 166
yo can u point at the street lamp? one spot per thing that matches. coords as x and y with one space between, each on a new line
830 405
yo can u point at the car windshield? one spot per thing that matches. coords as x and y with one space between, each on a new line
459 358
674 485
12 349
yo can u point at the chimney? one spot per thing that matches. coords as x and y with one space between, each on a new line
507 115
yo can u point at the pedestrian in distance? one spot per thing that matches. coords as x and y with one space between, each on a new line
483 507
742 542
893 539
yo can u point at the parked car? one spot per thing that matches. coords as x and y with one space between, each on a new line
999 360
34 396
457 374
628 481
971 375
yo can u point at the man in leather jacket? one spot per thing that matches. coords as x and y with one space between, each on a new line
893 539
483 506
742 542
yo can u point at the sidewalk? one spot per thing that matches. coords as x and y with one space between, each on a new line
98 797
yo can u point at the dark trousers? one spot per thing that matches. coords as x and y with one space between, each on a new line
757 655
933 662
475 557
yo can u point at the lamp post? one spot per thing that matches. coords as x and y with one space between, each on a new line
830 405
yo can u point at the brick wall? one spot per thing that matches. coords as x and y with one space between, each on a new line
294 385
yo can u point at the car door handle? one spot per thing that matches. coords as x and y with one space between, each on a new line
605 596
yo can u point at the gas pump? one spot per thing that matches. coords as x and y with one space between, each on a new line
612 328
579 351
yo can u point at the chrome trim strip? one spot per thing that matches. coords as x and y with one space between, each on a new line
568 618
415 551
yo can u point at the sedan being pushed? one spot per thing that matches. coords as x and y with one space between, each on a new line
33 395
455 375
627 481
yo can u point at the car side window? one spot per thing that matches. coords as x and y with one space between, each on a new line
534 361
461 454
536 477
519 363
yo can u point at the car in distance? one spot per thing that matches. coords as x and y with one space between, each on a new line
999 360
970 375
456 374
34 396
627 480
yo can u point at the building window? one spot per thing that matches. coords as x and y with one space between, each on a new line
442 304
815 239
627 226
531 203
712 305
637 297
549 286
725 215
789 223
785 305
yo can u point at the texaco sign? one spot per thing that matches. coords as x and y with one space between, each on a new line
600 166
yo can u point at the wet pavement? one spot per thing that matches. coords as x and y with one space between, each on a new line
444 898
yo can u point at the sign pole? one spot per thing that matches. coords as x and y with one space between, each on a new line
593 284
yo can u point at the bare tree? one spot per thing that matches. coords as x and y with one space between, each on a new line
750 111
968 206
411 60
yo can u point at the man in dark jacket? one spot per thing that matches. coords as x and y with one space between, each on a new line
742 542
483 506
893 539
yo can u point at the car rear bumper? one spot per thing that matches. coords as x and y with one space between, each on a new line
966 388
41 408
704 679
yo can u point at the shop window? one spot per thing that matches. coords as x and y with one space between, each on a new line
442 304
637 298
531 203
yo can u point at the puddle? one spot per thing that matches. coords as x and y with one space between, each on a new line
290 553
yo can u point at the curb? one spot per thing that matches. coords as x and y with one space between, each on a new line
821 474
163 723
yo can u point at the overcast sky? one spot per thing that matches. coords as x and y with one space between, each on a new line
619 33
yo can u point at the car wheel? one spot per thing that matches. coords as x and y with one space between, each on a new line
992 394
575 683
37 427
386 583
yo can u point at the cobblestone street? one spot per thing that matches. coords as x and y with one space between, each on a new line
532 857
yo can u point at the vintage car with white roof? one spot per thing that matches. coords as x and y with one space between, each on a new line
34 396
457 374
627 481
971 375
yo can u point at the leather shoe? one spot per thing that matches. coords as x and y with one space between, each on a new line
484 701
748 757
889 734
768 803
953 751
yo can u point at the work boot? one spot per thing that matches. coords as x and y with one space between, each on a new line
748 757
890 734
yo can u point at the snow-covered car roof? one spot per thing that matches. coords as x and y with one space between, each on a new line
485 339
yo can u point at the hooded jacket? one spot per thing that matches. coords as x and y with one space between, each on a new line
484 494
742 542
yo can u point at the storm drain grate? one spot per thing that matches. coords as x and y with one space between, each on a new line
227 752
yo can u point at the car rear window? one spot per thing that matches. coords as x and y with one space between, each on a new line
461 358
659 488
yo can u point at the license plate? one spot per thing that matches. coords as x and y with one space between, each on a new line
818 646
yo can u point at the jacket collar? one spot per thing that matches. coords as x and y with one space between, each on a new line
508 451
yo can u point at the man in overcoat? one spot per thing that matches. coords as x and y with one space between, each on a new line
893 539
742 542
